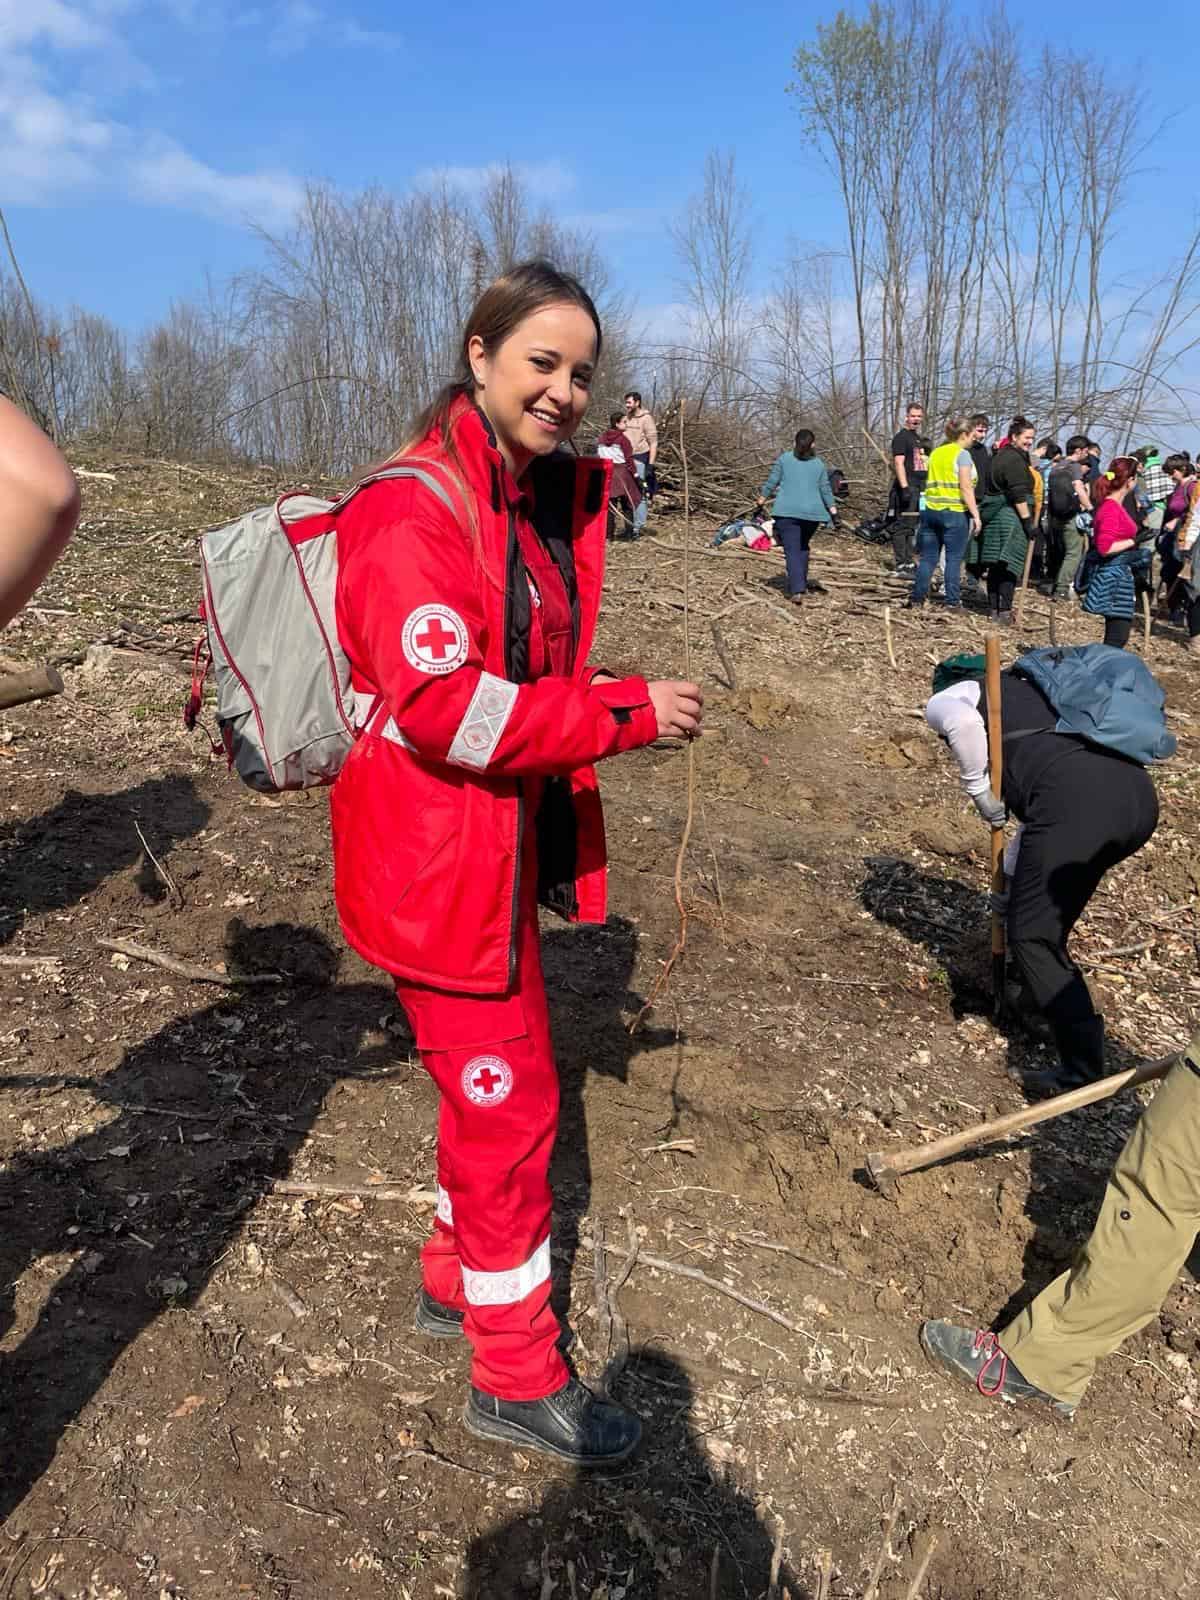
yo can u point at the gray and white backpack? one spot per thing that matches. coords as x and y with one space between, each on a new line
285 707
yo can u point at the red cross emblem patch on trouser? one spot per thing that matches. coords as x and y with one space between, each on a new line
489 1255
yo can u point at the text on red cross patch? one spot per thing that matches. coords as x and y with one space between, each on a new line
487 1080
435 640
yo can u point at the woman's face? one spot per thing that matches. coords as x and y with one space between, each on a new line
534 388
1024 441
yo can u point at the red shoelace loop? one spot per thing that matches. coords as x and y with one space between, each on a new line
987 1345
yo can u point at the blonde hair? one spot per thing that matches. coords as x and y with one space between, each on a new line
957 423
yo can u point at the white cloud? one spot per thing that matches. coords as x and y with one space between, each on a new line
616 219
172 177
51 144
542 180
297 25
65 27
354 34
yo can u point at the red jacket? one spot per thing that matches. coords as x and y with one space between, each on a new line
429 810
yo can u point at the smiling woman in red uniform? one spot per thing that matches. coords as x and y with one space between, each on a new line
470 798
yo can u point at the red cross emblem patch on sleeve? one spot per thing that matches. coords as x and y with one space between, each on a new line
487 1080
435 640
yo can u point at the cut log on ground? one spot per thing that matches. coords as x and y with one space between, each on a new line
19 688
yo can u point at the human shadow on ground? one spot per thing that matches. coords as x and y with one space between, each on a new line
588 971
649 1529
56 859
152 1200
1069 1158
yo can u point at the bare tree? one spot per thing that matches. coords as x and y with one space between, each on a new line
712 241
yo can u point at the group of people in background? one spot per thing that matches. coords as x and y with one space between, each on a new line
630 442
1045 512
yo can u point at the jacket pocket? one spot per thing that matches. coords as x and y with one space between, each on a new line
390 828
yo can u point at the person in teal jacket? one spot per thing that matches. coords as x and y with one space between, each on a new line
799 481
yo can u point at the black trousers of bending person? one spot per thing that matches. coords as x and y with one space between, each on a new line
1085 811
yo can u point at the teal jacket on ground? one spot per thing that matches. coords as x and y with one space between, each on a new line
801 488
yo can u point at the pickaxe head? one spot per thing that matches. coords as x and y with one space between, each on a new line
880 1173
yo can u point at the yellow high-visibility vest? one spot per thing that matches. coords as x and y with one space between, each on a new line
942 492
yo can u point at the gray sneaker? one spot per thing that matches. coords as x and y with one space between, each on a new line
975 1355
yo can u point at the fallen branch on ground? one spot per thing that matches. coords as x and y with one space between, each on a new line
188 969
1103 956
364 1191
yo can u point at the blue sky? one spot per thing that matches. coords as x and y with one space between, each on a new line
138 136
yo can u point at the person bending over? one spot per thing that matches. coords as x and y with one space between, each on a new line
1082 809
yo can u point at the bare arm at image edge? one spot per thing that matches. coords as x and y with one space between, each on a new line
39 506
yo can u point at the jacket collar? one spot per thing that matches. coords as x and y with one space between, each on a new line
475 441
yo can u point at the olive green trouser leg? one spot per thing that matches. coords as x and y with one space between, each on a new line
1144 1233
1073 543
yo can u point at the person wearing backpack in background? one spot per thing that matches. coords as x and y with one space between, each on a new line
799 481
950 515
1154 484
39 507
1067 499
1118 561
470 796
1083 807
1184 495
612 445
1045 455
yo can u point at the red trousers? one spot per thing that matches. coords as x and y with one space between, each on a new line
489 1255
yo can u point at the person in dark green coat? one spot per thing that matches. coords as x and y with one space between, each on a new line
1007 513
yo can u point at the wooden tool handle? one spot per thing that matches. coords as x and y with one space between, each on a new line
883 1166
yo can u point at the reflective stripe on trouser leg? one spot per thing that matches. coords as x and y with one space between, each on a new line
499 1118
1145 1231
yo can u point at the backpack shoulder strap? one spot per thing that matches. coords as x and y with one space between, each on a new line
424 472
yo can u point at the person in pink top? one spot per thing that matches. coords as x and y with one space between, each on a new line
1112 589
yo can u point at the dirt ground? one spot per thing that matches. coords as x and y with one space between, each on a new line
210 1385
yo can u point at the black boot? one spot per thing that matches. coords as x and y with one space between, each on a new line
1081 1056
435 1320
572 1424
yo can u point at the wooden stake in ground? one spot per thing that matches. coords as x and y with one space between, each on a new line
664 976
996 778
1146 620
1017 604
887 636
883 1169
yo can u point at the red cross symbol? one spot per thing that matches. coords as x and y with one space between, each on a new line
437 639
487 1081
